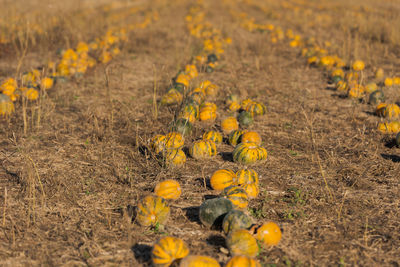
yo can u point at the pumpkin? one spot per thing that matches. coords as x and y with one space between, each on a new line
336 79
234 137
46 83
172 97
388 82
191 71
174 140
32 94
237 195
6 105
356 91
341 86
198 261
376 97
232 99
203 149
371 87
246 103
157 143
337 73
398 139
256 108
196 97
247 153
229 124
182 81
241 242
251 190
190 112
242 261
168 189
222 179
208 111
211 90
247 176
234 220
182 126
358 65
379 74
213 136
205 83
167 250
391 111
210 105
174 157
269 233
212 58
250 137
234 106
213 211
245 119
152 210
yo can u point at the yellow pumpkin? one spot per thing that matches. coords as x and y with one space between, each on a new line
391 111
167 250
197 96
256 108
203 149
222 179
234 137
229 124
388 82
212 90
168 189
252 190
247 176
174 157
358 65
380 109
213 136
242 261
208 111
269 233
241 242
245 103
191 71
234 106
251 137
157 143
237 195
247 153
46 83
198 261
190 112
172 97
174 140
152 210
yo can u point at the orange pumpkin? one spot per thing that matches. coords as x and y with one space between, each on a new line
203 149
167 250
222 179
213 136
229 124
241 242
174 140
251 137
269 233
168 189
198 261
174 157
152 210
242 261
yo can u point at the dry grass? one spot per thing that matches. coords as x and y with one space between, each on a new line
331 180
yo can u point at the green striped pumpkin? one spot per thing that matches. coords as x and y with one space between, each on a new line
237 195
252 190
234 137
241 242
167 250
247 176
234 220
256 108
203 149
248 153
152 210
190 112
213 136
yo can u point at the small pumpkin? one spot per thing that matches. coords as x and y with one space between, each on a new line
199 261
245 119
388 82
168 189
358 65
251 137
152 210
182 126
174 140
269 233
212 90
208 111
197 97
237 195
172 97
234 106
247 176
222 179
203 149
174 157
232 99
246 103
252 190
167 250
213 136
190 112
229 124
371 87
247 153
236 219
391 111
242 261
241 242
376 97
234 137
256 108
213 211
157 143
380 109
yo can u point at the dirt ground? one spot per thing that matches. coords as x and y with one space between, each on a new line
331 180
